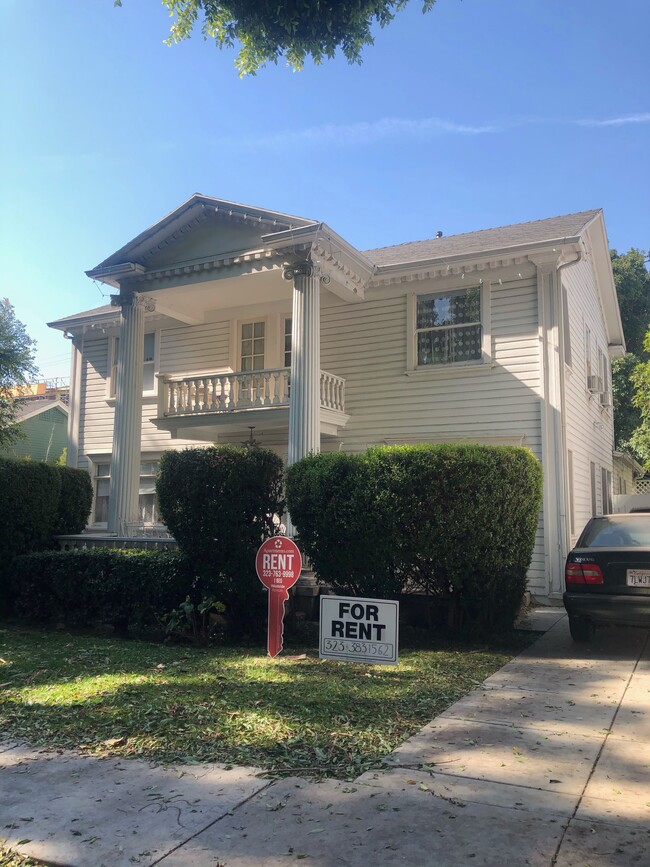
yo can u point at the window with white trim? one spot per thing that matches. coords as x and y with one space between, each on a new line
603 371
252 345
147 498
606 488
592 480
448 328
587 353
287 342
148 364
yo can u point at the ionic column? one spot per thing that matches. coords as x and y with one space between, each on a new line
304 404
125 458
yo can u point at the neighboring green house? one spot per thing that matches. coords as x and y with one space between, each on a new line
44 422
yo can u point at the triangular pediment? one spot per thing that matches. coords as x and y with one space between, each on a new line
202 227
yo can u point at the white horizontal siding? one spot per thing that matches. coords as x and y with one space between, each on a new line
366 344
589 428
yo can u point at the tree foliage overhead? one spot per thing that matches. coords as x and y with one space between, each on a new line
640 439
633 290
631 374
16 368
269 29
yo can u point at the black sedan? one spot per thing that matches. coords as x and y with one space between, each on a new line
607 575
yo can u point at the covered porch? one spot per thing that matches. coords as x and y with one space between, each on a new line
201 406
263 274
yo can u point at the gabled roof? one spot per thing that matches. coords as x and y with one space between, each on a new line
36 406
194 210
77 318
561 229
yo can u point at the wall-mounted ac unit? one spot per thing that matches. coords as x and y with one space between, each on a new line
594 384
605 399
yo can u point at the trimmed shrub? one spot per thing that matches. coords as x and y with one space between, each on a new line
75 501
344 526
119 587
219 504
28 506
465 519
457 522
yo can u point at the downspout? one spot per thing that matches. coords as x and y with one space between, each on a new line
563 423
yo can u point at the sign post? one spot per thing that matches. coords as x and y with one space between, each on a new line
359 630
278 564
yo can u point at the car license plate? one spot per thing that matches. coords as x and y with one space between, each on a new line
638 577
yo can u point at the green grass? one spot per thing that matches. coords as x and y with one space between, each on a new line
232 705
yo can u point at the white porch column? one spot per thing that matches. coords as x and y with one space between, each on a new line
304 406
125 458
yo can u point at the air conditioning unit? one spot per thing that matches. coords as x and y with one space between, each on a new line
594 384
605 399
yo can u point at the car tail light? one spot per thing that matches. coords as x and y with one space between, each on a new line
583 573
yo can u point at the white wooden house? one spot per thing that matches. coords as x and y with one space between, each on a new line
502 336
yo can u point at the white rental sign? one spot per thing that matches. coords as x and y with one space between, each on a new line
359 630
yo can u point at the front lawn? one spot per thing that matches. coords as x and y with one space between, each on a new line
177 704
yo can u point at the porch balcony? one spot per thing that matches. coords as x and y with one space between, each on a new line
194 406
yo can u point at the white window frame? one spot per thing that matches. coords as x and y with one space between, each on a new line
486 329
283 337
588 355
604 373
111 379
261 320
97 461
274 323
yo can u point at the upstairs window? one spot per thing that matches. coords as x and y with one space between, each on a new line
448 327
252 346
287 342
603 371
148 364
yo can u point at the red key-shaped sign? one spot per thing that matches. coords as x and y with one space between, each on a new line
278 565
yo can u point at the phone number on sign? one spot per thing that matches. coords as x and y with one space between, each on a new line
335 645
277 573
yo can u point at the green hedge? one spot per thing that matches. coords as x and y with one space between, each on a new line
345 524
38 501
82 587
75 501
457 522
219 504
29 506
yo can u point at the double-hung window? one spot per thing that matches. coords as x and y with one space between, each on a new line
147 497
448 327
148 364
287 342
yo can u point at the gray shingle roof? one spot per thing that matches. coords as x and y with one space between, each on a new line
519 234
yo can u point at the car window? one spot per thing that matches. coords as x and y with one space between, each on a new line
620 533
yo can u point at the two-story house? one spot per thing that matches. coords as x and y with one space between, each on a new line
228 321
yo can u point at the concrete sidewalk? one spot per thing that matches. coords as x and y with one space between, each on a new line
548 762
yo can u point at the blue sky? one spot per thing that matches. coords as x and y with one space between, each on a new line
479 114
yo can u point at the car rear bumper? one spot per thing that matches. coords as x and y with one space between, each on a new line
602 608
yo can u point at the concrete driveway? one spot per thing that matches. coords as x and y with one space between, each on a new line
547 762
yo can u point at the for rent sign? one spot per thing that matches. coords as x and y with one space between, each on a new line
359 630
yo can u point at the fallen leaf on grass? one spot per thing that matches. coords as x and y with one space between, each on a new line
114 742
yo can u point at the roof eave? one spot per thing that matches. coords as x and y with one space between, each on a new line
474 255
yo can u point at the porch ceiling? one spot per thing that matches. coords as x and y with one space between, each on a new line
197 299
212 427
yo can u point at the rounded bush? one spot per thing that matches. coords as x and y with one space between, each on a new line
457 522
219 504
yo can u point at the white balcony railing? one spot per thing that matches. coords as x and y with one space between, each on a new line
230 392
